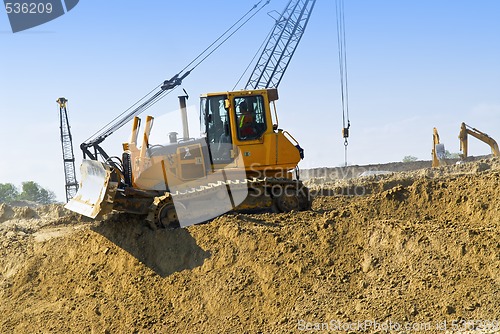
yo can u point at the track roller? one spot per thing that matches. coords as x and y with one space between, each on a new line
162 213
288 197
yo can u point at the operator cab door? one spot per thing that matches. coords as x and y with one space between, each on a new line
253 135
250 115
215 125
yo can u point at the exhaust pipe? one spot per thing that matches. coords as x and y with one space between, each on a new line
185 127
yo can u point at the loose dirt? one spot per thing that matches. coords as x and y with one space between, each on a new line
417 248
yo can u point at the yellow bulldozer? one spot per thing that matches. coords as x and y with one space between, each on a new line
241 161
235 165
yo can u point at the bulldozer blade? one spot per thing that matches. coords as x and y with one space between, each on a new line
96 192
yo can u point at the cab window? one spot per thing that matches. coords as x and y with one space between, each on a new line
214 120
250 116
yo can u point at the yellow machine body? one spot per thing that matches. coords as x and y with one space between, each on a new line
270 152
230 152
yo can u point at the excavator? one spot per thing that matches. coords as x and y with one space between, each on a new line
439 153
468 130
241 161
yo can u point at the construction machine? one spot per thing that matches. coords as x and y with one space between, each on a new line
67 150
438 151
187 181
241 161
466 130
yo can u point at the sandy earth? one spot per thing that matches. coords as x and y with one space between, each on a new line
417 248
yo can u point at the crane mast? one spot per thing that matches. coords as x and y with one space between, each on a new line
281 45
67 149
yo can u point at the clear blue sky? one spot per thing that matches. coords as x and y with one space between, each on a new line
412 65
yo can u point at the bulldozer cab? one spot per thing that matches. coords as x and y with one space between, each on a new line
241 122
233 118
250 113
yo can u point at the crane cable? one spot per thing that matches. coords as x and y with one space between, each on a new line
227 31
153 99
253 59
341 41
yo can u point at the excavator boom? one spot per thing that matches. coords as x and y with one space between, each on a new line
466 130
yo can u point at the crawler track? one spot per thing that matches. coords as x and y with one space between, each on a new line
214 199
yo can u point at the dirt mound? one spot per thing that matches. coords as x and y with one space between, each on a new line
324 174
419 248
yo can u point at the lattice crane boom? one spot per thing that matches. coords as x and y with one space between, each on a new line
67 149
281 45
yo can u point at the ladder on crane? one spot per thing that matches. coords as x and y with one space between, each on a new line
281 45
67 149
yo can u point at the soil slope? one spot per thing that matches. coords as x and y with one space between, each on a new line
418 248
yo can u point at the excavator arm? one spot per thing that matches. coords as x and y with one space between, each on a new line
438 151
466 130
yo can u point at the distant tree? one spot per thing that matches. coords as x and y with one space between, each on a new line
344 165
448 155
409 158
8 192
32 191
